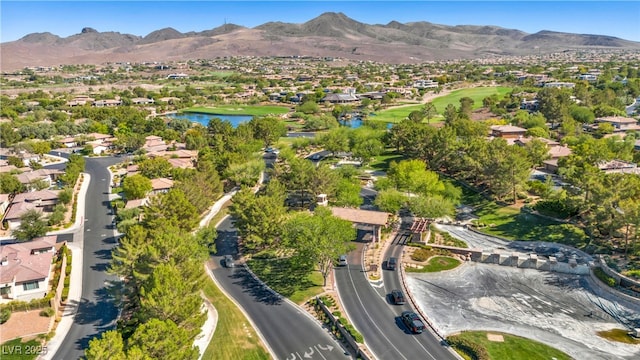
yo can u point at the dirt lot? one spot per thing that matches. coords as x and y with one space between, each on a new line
561 310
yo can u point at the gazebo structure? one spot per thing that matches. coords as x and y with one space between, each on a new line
419 227
375 219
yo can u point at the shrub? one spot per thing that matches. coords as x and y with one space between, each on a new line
632 273
354 333
5 314
420 255
65 294
473 350
555 208
600 274
47 312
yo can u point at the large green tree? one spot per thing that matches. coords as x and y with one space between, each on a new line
412 176
155 167
163 339
268 129
319 238
136 186
32 225
9 184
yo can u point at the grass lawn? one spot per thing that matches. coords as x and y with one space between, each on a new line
17 350
437 263
250 110
397 114
619 335
281 276
477 94
234 337
513 347
508 222
382 162
220 74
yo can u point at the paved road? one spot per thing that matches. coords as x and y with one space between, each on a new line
631 109
290 332
373 314
96 311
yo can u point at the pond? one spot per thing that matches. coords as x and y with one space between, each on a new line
356 122
236 120
203 119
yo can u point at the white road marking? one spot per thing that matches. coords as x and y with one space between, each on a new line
369 316
319 352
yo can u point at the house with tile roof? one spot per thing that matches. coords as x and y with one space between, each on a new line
25 269
507 131
160 185
43 201
49 176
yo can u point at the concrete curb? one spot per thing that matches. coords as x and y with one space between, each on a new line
202 341
82 193
72 303
253 325
346 312
75 286
414 304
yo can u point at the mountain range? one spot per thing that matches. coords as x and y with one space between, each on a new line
328 35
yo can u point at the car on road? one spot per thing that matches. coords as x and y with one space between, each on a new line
412 321
398 297
228 261
392 263
342 260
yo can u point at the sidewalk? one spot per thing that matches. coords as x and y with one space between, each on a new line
75 287
208 328
86 179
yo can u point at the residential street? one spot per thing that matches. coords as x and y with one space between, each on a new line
287 330
370 310
96 310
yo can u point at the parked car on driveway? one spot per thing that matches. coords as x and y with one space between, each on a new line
398 297
412 321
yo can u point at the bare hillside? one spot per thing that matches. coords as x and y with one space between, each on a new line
330 34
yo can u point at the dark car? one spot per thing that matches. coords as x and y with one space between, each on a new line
228 261
398 297
412 321
392 263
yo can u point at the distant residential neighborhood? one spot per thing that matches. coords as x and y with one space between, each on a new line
310 169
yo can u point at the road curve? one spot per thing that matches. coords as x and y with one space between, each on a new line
290 332
372 313
96 311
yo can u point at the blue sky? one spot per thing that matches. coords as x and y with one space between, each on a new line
65 18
